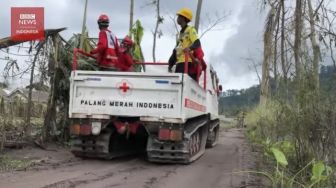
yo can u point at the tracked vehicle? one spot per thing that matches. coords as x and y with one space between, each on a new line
169 116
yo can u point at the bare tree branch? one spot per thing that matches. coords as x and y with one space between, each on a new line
198 14
7 42
28 128
213 23
318 7
173 18
255 67
156 33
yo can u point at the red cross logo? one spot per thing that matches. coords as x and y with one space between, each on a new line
124 87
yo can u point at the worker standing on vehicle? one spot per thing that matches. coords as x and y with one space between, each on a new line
108 52
188 46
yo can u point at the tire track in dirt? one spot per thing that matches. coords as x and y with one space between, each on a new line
215 169
92 178
72 183
154 180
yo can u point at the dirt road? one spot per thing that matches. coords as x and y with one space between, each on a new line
215 169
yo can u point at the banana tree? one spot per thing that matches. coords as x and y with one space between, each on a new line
136 33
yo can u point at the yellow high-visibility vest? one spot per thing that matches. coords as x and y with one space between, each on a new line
185 40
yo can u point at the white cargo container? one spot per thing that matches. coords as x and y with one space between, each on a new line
169 114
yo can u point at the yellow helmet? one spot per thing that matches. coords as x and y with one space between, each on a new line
185 12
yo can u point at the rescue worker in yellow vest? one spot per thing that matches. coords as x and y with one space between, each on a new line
187 42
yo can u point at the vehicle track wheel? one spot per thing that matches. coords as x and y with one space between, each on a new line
195 143
213 138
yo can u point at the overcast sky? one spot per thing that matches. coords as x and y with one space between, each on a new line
239 37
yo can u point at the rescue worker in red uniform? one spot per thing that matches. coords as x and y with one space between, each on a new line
188 46
110 55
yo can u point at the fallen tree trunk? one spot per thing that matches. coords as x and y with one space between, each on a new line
7 42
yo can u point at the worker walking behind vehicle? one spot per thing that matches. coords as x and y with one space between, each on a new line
188 46
109 54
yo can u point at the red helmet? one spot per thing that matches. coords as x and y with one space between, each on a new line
103 20
128 41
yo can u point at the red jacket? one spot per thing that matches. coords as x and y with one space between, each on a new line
199 67
109 55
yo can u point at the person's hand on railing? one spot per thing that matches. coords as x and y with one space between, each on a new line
93 54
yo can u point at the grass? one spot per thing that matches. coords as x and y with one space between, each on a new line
11 164
227 124
18 123
291 159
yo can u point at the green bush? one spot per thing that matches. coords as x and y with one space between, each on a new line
9 164
303 130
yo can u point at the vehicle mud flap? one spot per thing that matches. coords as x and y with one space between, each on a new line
186 151
213 135
103 146
92 146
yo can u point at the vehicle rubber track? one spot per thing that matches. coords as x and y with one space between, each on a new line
95 146
191 148
213 134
